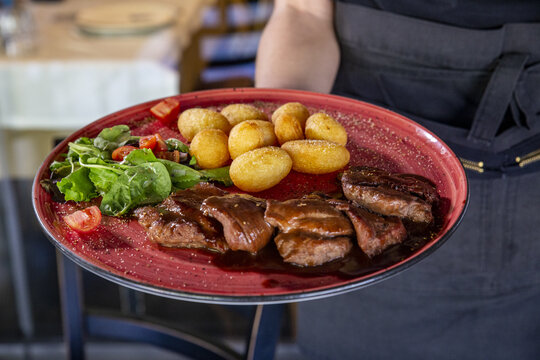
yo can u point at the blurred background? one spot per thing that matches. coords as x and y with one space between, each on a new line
64 64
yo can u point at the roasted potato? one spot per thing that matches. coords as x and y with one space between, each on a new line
269 135
249 135
191 121
260 169
236 113
210 148
321 126
316 156
287 127
293 108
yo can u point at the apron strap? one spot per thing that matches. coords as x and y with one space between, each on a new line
496 98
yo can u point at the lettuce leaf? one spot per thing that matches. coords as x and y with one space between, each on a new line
139 185
77 186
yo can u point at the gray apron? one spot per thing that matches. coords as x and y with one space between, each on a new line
478 296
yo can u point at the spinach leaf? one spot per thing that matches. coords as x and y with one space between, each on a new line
175 144
77 186
220 175
111 138
182 176
142 184
139 179
102 173
139 156
103 179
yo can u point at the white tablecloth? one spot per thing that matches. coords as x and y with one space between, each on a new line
74 78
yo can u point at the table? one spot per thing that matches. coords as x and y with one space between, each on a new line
73 78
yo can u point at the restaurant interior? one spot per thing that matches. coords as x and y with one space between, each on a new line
65 64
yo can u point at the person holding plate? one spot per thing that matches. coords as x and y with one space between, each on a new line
470 72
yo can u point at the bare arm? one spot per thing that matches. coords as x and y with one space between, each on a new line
298 47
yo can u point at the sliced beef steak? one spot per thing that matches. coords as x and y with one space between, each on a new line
406 183
312 231
308 215
387 197
242 217
179 222
307 249
374 233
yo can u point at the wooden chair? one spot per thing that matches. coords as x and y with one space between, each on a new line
225 24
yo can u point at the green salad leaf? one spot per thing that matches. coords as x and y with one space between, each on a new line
78 150
142 184
139 156
175 144
111 138
88 171
77 186
182 176
104 176
80 141
220 175
60 169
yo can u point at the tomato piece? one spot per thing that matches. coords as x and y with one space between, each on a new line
120 153
160 143
170 155
147 142
166 110
84 220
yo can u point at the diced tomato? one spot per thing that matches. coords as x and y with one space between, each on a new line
166 110
120 153
160 143
84 220
148 142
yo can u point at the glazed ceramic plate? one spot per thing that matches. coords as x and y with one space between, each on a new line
119 251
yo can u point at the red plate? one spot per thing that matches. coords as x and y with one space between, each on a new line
119 251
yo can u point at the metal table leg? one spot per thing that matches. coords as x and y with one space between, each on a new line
69 278
265 330
262 341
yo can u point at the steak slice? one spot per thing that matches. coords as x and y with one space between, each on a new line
312 231
242 217
413 184
309 215
179 222
382 197
307 249
374 233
